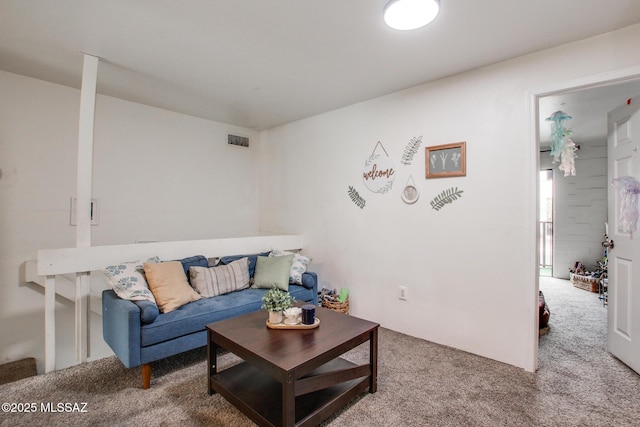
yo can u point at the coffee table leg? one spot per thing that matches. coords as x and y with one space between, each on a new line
212 361
288 402
373 360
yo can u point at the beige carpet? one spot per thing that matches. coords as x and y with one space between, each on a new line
419 384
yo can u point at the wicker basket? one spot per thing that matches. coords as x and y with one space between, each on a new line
342 307
588 283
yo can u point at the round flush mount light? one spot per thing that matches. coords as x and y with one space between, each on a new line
410 14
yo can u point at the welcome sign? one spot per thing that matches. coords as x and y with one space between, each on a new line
379 171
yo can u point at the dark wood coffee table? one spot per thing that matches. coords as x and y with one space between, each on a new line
291 377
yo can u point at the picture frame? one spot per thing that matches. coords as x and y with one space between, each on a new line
447 160
410 194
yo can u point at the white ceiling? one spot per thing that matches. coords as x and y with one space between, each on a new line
261 63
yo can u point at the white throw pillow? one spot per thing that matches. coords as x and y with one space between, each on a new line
298 267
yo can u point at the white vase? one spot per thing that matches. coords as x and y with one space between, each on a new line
275 317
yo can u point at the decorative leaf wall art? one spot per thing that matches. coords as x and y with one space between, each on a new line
410 150
356 198
446 197
379 170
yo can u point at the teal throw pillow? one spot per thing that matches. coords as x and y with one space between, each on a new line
272 272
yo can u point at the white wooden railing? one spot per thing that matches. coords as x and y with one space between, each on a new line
54 267
545 235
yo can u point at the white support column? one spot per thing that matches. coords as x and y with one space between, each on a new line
85 150
50 324
83 196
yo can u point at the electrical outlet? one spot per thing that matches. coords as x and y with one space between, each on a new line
402 293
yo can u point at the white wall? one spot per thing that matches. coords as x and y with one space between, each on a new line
165 176
580 207
158 175
466 265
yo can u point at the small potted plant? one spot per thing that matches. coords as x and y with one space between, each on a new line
276 301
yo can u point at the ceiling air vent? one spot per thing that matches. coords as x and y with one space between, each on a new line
241 141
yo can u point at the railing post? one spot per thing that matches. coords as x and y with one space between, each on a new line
83 285
545 236
50 324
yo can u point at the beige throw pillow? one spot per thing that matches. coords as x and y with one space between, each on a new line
169 285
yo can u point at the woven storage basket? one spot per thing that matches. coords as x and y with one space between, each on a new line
342 307
588 283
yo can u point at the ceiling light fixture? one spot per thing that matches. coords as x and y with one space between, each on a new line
410 14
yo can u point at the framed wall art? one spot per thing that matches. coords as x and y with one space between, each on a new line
448 160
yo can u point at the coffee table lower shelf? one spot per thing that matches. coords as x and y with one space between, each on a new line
259 396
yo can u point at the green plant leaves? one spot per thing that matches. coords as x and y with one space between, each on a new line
277 300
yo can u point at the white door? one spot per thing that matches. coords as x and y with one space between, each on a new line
623 338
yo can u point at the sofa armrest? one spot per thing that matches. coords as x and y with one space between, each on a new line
310 281
121 328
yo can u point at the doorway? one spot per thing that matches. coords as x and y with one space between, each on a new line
595 90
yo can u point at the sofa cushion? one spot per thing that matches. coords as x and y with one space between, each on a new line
148 310
309 279
193 261
193 317
252 260
128 281
169 285
298 267
272 272
212 281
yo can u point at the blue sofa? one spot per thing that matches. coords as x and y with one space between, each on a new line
138 343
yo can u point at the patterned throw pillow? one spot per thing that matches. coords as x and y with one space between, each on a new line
298 267
128 281
213 281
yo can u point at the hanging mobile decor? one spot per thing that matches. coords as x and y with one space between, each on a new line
356 198
446 197
379 171
410 150
629 188
563 149
410 194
